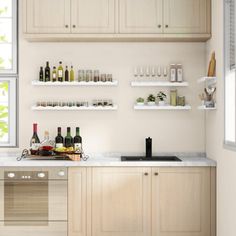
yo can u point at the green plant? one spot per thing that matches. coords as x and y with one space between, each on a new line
161 96
3 111
151 98
140 100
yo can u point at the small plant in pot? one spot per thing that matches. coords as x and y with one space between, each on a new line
161 98
140 101
151 100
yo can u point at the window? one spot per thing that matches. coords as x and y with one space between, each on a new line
8 72
230 75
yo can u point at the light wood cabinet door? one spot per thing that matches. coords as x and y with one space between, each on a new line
140 16
93 16
48 16
186 16
77 202
121 202
181 202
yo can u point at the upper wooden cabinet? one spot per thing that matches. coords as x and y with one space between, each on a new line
138 20
143 16
121 202
93 16
185 16
48 16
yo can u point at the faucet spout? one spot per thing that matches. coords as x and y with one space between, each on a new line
148 147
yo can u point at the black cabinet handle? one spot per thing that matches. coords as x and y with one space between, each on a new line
146 174
156 173
66 26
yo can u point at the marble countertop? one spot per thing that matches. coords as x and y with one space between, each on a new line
99 160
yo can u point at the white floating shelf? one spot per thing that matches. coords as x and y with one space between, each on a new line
207 79
158 84
206 108
167 107
89 108
76 83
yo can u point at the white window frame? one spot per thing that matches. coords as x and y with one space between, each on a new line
227 144
11 76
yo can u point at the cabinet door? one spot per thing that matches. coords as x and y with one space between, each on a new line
48 16
77 202
121 202
93 16
181 202
185 16
140 16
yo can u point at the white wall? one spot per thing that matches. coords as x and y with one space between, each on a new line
226 160
123 130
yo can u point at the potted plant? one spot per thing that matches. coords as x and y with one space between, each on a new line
140 101
161 97
151 100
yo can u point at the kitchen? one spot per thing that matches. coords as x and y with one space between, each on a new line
131 47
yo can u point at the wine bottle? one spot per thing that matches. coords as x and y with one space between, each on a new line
77 140
60 72
72 74
34 142
66 74
41 74
59 139
54 74
47 72
68 139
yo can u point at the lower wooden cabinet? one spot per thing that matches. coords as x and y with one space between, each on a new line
181 202
136 201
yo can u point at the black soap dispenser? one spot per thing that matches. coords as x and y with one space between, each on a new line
148 147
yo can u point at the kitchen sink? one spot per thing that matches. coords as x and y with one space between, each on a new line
154 158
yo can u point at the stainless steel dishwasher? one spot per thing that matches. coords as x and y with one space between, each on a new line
33 201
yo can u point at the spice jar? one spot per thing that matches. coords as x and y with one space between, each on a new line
181 101
173 97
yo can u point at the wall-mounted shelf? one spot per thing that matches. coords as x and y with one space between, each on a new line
82 108
167 107
82 84
158 84
207 79
206 108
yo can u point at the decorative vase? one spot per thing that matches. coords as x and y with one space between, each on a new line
151 103
140 103
161 103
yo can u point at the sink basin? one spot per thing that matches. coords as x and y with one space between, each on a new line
154 158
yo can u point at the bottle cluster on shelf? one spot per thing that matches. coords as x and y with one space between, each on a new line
173 73
60 104
61 74
160 99
60 144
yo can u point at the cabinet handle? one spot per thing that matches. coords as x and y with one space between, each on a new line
66 26
167 26
156 174
159 26
74 26
146 174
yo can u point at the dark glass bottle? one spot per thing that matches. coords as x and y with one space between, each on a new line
59 140
34 142
66 74
60 72
68 139
47 72
77 140
41 74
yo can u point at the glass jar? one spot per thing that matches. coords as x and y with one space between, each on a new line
96 76
173 97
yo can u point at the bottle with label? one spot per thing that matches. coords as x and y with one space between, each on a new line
77 140
47 72
34 142
179 73
59 139
60 72
72 74
54 74
41 74
68 139
66 74
172 73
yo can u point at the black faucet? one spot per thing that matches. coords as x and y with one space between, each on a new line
148 147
